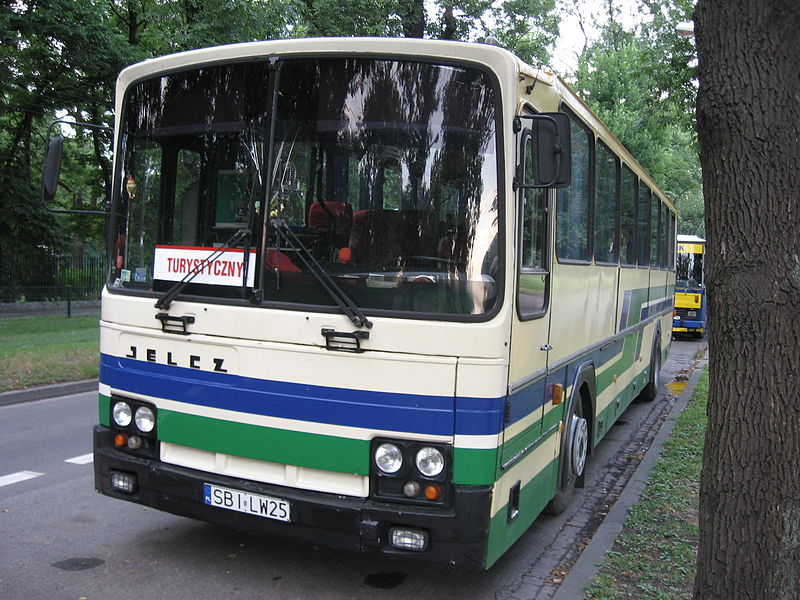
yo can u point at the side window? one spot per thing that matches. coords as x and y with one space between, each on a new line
185 225
671 242
643 225
533 273
627 228
605 213
655 237
573 233
662 236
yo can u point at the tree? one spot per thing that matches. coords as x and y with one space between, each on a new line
640 93
747 112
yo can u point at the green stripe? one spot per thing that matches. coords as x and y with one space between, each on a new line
625 362
532 500
474 467
104 409
316 451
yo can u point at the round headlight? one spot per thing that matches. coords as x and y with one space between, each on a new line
430 461
145 419
122 414
388 458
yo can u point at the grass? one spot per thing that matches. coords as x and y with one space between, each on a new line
52 349
654 557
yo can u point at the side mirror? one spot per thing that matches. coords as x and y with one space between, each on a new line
544 151
51 168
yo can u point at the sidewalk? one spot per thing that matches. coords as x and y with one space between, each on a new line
588 565
47 391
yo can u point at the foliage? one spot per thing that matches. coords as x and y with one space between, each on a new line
60 58
640 83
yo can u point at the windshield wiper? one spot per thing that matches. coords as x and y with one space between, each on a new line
166 299
343 301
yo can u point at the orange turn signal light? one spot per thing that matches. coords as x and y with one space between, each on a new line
120 440
556 393
433 491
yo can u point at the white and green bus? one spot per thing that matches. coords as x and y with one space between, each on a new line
382 295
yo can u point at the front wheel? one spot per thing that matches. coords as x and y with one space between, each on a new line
573 459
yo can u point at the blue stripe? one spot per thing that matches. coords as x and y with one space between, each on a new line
433 415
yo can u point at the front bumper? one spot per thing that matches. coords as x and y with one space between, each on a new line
457 534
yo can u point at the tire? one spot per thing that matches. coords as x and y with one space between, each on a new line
573 459
650 391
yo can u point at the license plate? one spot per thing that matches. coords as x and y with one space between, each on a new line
244 502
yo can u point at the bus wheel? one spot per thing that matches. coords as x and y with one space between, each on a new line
573 459
650 391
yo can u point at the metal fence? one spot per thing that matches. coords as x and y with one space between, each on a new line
43 277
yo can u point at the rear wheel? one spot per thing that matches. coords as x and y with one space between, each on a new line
573 459
650 391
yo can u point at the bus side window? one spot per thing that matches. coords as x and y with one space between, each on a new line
605 214
573 204
533 273
628 217
643 225
671 242
656 225
187 199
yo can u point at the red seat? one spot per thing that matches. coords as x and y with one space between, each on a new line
320 218
278 260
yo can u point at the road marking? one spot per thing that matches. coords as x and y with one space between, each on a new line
17 477
83 459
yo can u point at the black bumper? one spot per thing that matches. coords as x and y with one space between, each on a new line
457 534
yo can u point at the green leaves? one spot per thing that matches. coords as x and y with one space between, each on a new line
640 82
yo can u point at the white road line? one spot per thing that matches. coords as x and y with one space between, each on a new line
17 477
83 459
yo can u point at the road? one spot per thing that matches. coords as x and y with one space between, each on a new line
59 539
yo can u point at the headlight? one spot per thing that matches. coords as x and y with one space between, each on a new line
122 414
430 461
145 419
388 458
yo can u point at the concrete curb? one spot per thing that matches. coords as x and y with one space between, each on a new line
48 391
588 565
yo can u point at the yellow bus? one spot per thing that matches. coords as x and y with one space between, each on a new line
382 295
691 304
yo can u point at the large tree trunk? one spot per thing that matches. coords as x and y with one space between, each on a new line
748 114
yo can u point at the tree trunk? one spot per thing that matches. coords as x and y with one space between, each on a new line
413 16
748 109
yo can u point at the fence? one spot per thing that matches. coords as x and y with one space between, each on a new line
43 277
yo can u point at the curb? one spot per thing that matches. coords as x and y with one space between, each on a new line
48 391
588 564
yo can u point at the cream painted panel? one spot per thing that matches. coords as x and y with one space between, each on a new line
229 323
292 363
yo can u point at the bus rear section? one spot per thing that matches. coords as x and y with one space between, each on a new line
691 310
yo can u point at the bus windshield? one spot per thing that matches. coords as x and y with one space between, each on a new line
385 172
689 269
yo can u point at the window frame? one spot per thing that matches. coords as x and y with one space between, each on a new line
599 143
524 147
589 259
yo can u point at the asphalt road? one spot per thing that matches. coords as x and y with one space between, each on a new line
59 539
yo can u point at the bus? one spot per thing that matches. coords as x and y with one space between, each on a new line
378 295
690 290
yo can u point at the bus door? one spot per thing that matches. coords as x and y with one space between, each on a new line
530 329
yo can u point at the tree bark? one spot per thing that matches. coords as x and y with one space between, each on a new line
748 109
